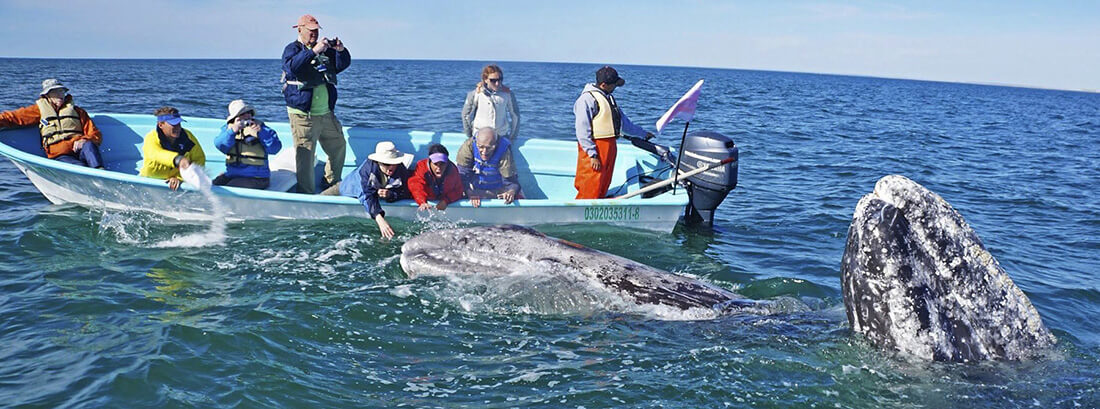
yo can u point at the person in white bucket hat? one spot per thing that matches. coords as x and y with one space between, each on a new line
66 130
246 143
384 175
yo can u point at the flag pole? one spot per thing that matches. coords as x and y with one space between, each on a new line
679 156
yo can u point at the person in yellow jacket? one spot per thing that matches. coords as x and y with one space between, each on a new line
169 148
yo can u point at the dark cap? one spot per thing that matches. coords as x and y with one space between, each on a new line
608 75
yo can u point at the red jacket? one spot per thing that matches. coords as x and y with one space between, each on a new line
423 184
29 115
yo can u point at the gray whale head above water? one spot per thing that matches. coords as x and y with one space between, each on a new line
504 250
917 279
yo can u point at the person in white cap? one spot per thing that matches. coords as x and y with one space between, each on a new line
246 143
310 65
384 175
67 132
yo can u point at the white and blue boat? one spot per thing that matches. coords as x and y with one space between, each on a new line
546 169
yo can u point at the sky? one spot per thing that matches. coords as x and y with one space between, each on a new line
1045 44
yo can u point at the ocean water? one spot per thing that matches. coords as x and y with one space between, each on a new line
93 313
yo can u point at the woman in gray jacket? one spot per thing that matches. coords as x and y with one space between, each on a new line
491 104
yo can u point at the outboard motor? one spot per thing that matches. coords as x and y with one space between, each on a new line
707 190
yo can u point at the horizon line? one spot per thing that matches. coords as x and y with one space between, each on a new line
835 74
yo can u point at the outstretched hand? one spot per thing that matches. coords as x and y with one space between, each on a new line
384 227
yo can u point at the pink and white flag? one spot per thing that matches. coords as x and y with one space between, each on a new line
683 109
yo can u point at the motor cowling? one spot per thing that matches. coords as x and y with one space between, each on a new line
708 189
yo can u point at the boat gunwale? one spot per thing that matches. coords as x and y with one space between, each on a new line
20 155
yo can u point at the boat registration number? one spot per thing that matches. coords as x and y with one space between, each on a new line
614 213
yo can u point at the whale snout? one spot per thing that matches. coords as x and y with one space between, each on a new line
917 279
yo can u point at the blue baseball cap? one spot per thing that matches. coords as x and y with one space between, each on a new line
171 119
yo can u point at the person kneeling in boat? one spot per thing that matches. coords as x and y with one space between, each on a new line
246 142
67 132
487 169
169 148
384 175
436 178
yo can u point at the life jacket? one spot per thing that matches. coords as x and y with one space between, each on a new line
244 153
488 171
491 111
58 126
608 121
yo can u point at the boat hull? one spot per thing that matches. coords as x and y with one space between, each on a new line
64 183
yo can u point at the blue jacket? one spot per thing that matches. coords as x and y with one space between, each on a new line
297 67
365 181
225 141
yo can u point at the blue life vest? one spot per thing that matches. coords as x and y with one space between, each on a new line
488 172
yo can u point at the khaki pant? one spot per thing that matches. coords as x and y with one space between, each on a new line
307 131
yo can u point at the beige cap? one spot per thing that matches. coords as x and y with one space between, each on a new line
238 107
386 152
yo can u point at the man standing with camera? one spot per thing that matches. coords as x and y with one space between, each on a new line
310 65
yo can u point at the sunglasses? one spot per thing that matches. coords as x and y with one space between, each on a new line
495 80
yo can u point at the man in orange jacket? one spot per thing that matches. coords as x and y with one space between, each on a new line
599 123
67 132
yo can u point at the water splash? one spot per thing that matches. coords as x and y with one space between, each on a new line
548 289
215 235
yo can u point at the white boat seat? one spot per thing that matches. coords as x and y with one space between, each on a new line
284 173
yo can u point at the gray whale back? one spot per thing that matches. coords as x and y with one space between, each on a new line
916 278
509 249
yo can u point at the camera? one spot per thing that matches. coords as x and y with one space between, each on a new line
246 123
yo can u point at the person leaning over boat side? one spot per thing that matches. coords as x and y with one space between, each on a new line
436 178
599 122
384 175
491 104
310 66
487 169
246 142
68 133
169 148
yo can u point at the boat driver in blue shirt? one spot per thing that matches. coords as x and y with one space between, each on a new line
384 175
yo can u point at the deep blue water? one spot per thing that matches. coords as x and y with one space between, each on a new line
319 314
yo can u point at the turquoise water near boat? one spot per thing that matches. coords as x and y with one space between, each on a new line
318 313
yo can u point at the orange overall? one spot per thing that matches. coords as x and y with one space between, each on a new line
593 184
